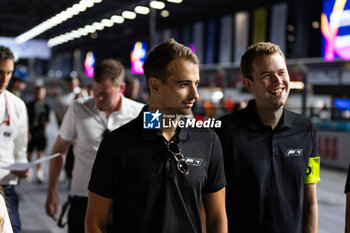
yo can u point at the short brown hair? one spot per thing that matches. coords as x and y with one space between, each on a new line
159 59
258 49
5 53
109 69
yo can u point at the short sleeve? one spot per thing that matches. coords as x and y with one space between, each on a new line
103 177
347 185
314 140
216 175
313 169
68 127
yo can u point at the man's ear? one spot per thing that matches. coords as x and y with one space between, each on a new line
122 87
248 83
153 85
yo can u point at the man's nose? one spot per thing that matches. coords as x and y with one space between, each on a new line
276 78
194 93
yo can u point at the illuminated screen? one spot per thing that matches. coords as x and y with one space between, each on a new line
335 27
342 104
89 64
138 56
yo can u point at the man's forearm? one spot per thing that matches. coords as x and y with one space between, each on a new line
310 218
56 166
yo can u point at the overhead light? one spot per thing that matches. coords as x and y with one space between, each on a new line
55 20
296 85
175 1
117 19
129 14
164 13
157 5
98 25
107 22
316 24
143 10
90 28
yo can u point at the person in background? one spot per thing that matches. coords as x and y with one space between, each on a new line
270 153
347 209
61 105
132 88
63 101
146 175
13 136
17 86
86 122
38 114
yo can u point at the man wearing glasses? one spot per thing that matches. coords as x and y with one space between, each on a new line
86 123
13 136
157 180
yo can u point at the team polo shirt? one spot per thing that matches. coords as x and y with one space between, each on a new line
134 167
265 170
347 186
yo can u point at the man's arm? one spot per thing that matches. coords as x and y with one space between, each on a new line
56 165
215 212
310 210
347 214
97 213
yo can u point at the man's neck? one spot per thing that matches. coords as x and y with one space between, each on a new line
115 109
172 122
269 116
171 130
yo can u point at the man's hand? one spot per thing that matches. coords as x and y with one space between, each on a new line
52 204
21 173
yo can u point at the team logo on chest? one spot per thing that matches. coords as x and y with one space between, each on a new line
294 152
194 161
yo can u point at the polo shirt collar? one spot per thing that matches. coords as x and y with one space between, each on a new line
148 134
256 123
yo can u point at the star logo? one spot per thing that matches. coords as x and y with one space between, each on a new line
151 120
156 115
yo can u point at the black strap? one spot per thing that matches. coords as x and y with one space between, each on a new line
63 211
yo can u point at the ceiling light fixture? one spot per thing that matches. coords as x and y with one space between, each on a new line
129 14
157 5
117 19
55 20
175 1
143 10
164 13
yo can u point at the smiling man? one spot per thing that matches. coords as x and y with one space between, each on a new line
269 153
158 179
86 123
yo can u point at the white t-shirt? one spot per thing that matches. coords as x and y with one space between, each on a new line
5 216
13 135
85 124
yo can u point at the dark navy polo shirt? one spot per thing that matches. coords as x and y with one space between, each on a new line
134 167
347 186
265 170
